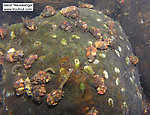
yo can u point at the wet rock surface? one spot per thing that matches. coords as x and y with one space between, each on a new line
59 49
134 17
136 25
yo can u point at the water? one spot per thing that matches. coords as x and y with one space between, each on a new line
134 17
137 31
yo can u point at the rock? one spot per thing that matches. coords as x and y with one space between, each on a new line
122 88
139 16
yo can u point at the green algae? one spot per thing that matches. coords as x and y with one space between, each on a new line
82 87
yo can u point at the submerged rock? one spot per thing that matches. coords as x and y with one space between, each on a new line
123 93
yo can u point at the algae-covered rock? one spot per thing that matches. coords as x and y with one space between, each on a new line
76 76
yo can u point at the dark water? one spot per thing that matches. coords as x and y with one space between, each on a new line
134 16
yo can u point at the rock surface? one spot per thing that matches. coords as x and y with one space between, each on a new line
58 49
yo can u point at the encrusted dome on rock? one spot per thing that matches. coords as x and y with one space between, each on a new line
106 85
